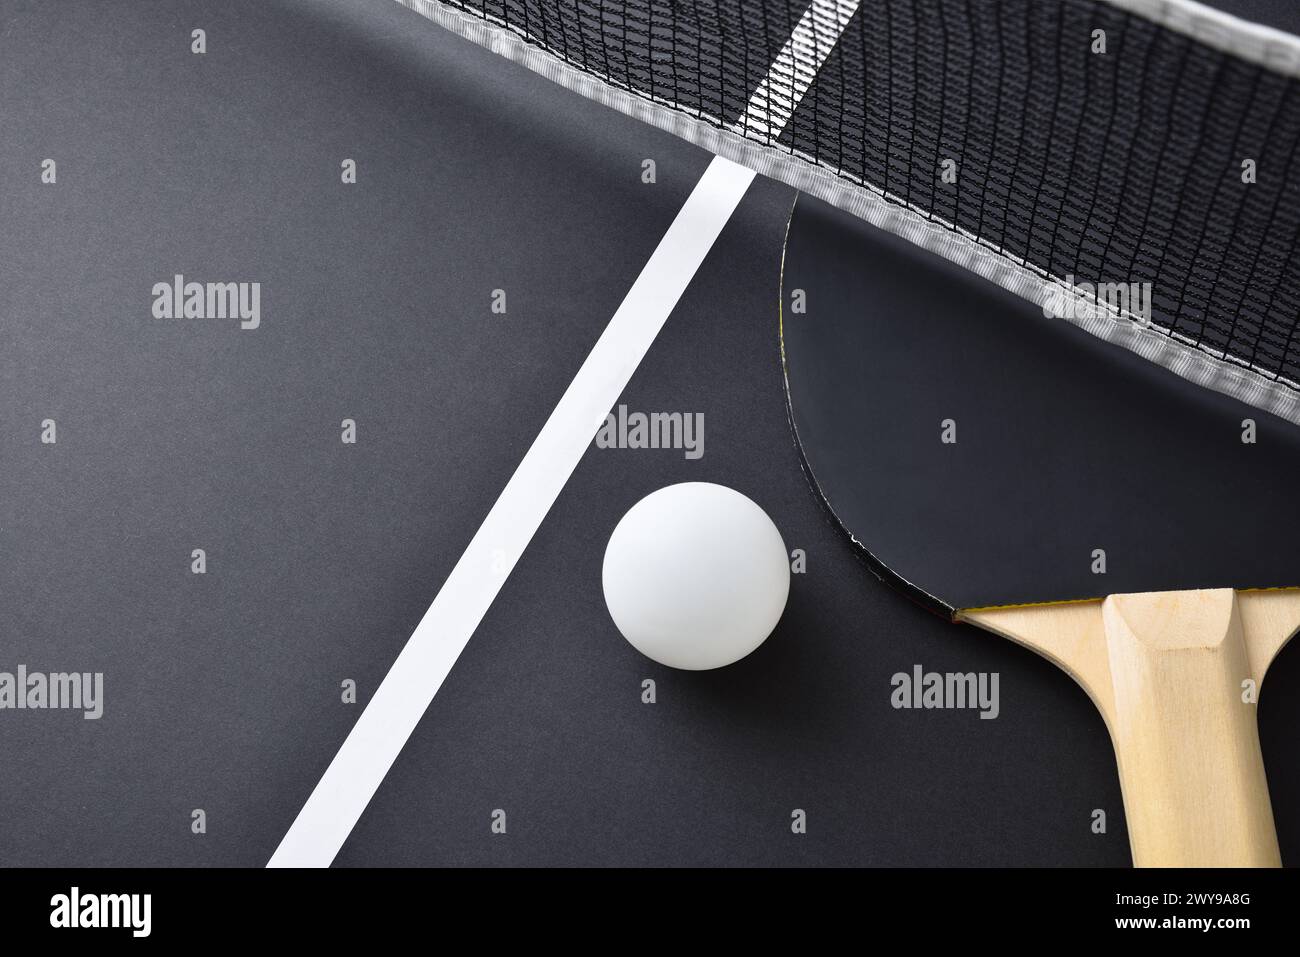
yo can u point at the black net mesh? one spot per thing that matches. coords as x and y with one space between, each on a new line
1123 166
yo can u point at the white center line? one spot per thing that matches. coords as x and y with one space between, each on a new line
391 716
795 67
359 767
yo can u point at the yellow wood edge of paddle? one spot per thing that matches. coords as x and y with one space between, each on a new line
957 613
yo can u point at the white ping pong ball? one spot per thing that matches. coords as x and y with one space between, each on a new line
696 576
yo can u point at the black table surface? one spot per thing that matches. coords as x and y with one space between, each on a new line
223 690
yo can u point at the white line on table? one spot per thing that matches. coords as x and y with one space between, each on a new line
795 67
391 716
350 781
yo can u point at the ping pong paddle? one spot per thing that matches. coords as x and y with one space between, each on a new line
1013 472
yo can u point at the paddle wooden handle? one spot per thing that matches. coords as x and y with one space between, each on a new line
1171 673
1183 724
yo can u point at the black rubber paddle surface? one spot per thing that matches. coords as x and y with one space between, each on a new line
1067 449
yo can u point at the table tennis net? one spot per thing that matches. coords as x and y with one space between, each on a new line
1041 144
